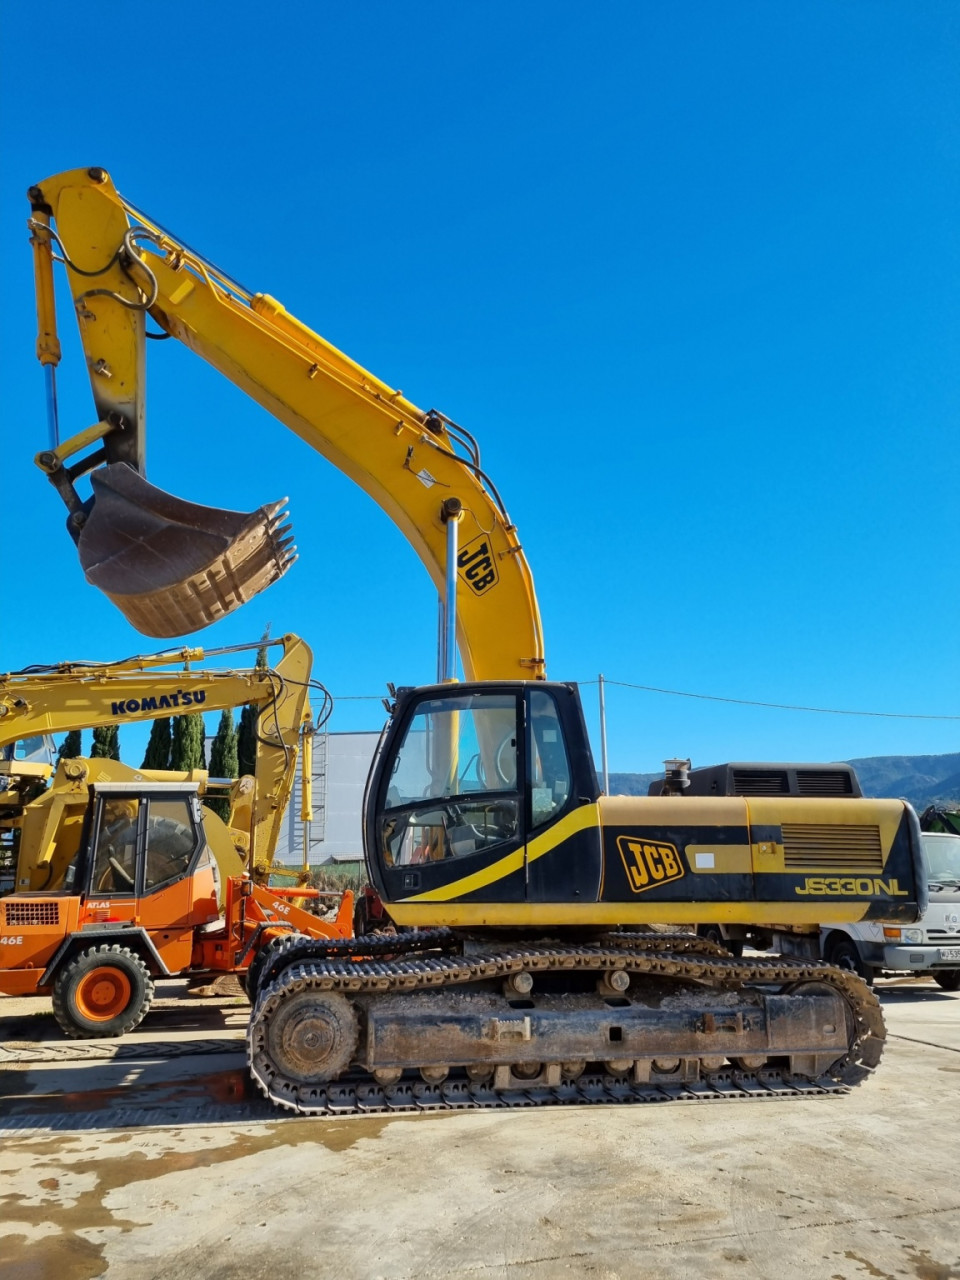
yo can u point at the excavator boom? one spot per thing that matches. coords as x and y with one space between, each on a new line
172 566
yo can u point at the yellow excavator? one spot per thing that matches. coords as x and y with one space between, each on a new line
122 875
528 967
45 824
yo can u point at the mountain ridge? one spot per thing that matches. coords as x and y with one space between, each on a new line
922 780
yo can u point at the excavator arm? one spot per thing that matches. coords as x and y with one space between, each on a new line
173 566
82 695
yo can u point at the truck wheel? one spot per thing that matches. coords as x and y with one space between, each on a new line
843 953
949 979
103 991
713 933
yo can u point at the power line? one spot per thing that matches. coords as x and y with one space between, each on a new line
774 706
712 697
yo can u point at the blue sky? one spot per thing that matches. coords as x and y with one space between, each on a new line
687 270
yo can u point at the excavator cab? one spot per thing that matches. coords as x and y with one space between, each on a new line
468 780
484 810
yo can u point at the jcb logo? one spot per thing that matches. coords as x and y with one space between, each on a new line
648 865
477 565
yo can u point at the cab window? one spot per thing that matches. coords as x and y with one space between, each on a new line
171 841
549 765
115 856
454 789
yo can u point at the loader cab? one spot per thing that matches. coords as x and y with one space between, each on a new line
466 777
143 841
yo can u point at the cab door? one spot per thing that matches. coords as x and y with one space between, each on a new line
563 850
113 858
178 876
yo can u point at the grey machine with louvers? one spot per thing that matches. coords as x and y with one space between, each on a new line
744 779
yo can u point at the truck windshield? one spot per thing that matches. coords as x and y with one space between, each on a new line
943 858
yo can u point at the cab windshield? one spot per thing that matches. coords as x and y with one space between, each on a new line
457 747
454 791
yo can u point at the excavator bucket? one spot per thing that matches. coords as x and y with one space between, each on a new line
171 566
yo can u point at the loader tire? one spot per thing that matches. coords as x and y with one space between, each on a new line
103 991
948 979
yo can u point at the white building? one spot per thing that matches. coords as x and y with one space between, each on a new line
341 762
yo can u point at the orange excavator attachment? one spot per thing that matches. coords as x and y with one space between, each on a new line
172 566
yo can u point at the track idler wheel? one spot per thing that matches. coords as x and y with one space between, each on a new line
312 1036
866 1031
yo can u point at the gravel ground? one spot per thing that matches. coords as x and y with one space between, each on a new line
101 1175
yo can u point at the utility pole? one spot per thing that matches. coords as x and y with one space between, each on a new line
603 739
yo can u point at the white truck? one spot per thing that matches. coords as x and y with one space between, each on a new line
931 947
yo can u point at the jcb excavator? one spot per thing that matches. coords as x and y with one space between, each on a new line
528 971
122 875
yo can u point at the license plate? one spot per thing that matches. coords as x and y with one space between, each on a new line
950 953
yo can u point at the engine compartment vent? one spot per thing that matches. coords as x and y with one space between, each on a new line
761 782
761 779
831 846
19 914
825 782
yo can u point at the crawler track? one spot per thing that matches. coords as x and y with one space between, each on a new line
415 963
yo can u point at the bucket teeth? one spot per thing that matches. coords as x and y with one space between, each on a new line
171 566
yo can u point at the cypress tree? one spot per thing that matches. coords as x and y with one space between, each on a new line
247 741
71 746
106 742
186 751
249 716
157 754
223 761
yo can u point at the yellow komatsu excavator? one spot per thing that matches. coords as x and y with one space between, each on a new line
45 824
122 875
527 968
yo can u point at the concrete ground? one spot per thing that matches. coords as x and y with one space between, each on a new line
140 1158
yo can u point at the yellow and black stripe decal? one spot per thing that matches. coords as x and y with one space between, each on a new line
489 883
